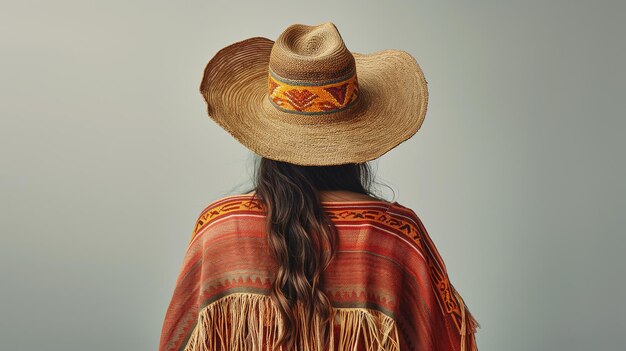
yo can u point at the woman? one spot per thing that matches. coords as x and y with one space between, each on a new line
310 258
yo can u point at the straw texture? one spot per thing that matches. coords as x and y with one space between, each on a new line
389 107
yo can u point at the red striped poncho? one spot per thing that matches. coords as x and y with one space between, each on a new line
387 283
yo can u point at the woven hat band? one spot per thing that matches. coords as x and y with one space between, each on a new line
302 97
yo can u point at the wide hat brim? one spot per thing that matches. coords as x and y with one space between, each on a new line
391 107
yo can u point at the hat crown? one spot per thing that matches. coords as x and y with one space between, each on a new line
311 54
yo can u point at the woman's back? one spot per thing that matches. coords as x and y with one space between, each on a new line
285 268
387 283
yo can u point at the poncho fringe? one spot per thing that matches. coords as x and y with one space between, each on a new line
468 325
249 321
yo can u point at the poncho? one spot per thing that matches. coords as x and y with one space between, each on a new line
388 285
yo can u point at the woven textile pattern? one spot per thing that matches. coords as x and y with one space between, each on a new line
388 284
297 97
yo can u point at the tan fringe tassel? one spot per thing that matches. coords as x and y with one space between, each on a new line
249 321
468 325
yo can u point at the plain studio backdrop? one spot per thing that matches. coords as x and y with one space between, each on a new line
107 157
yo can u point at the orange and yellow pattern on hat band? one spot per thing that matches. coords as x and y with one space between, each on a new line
312 97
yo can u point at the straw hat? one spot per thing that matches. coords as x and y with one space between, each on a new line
305 99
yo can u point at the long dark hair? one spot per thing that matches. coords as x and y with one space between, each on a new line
302 238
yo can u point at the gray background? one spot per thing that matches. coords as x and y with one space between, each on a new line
108 157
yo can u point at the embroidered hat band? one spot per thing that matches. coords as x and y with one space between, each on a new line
312 97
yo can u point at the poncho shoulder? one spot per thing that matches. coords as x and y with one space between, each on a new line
388 285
